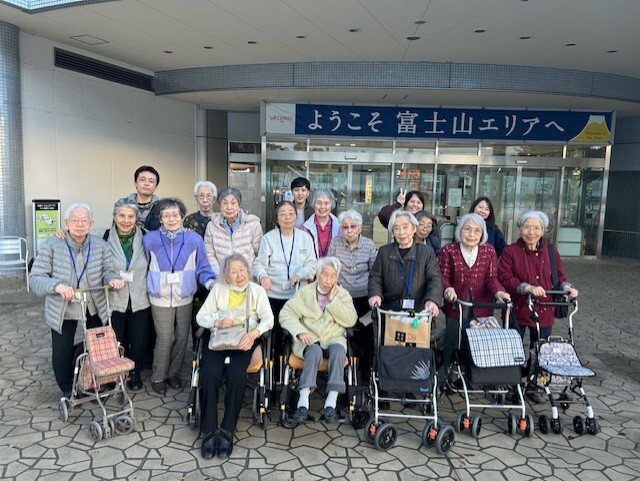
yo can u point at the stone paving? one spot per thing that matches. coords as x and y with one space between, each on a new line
35 444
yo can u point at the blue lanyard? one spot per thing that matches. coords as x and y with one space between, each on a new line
172 263
409 283
73 261
293 241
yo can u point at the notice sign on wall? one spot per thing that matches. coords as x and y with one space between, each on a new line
46 220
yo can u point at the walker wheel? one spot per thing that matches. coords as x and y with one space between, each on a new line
578 425
359 418
557 426
544 424
429 434
476 426
286 421
386 437
191 420
530 426
370 430
512 424
592 426
95 431
64 410
445 438
123 424
564 405
462 422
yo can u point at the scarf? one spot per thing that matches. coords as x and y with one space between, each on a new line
171 234
126 241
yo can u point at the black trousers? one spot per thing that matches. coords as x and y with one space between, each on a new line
63 355
216 365
363 342
132 331
277 344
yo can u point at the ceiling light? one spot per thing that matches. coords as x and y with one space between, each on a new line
480 30
301 36
420 22
337 145
354 29
413 37
168 51
570 44
252 42
352 145
525 37
612 51
208 47
89 39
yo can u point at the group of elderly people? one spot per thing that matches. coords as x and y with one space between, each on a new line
315 280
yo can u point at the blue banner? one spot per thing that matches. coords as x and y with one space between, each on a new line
454 124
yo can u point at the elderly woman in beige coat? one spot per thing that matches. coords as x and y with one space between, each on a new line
317 318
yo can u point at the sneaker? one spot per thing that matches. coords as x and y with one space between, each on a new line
536 397
331 415
300 415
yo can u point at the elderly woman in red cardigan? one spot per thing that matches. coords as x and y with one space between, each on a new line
469 268
525 269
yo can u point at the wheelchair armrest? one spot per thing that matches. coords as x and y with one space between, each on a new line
199 332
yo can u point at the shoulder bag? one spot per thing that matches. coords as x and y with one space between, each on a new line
227 338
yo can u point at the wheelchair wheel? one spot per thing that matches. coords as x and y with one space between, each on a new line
64 410
476 426
512 424
462 422
95 431
530 426
386 437
286 421
445 438
429 434
123 424
359 418
370 430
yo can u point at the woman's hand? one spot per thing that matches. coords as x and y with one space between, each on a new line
66 292
432 307
116 284
306 338
224 323
248 340
502 296
572 292
535 291
450 294
60 234
333 292
265 282
293 281
401 196
375 301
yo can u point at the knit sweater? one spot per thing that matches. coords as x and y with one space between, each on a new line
478 283
135 291
302 313
220 244
53 266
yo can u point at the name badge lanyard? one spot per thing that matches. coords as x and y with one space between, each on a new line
288 262
407 282
323 252
172 263
84 268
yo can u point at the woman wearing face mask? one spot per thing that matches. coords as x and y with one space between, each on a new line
484 208
232 230
413 201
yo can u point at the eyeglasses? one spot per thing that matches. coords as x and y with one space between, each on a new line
349 226
171 215
531 228
402 228
472 230
79 221
205 196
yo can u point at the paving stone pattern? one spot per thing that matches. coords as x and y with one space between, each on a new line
35 444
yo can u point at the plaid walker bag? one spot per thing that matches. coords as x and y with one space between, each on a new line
493 356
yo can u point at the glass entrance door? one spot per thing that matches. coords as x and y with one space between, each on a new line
499 185
369 192
539 189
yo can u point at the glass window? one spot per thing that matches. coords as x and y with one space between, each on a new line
586 152
299 145
246 178
534 150
458 148
349 145
403 147
455 191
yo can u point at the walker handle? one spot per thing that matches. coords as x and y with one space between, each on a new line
485 305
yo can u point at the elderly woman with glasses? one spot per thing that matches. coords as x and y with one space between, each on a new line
356 254
232 230
525 268
79 261
205 193
405 275
469 268
177 262
317 318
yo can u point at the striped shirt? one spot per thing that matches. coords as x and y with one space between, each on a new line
356 263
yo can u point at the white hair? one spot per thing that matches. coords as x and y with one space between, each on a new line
77 205
401 213
475 219
534 214
209 185
352 214
328 261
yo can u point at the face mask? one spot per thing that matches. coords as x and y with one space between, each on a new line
321 291
238 288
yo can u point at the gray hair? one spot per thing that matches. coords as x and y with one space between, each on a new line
323 193
352 214
475 219
77 205
236 256
209 185
401 213
324 262
125 203
534 214
227 191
